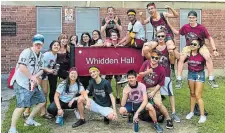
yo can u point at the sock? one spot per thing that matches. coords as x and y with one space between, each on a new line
13 129
179 78
211 77
29 119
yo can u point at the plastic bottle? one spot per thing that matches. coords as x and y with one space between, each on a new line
136 127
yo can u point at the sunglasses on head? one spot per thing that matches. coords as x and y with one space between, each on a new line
194 44
162 36
155 57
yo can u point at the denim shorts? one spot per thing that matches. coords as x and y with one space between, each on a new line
26 98
132 107
196 76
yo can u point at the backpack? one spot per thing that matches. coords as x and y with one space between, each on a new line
12 72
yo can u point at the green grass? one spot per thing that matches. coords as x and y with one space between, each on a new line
214 100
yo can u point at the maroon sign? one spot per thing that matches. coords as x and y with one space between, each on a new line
110 61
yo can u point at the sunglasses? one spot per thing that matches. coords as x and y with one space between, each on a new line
155 57
162 36
194 44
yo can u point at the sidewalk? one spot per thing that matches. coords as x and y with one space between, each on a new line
7 94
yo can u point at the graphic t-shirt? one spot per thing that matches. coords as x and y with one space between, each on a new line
138 29
196 63
157 77
73 90
34 64
49 59
135 94
111 26
199 30
100 92
165 61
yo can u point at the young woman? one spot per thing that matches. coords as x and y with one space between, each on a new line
73 41
67 95
96 39
196 76
49 63
85 40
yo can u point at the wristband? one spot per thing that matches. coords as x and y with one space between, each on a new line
214 50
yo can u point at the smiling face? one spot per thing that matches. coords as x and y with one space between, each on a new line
161 37
94 73
131 80
73 75
55 47
95 35
114 36
131 17
195 45
110 12
152 10
85 38
73 39
192 19
155 58
37 47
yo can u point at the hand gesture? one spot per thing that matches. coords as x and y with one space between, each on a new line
116 19
216 53
140 13
114 115
60 112
107 20
151 95
71 103
167 7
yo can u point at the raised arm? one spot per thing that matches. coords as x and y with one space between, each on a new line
174 13
142 20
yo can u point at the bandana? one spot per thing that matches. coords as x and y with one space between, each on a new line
93 68
73 69
131 13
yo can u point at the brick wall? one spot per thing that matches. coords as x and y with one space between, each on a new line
25 16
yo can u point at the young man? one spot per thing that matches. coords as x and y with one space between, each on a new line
25 83
158 20
164 61
202 32
135 36
135 100
102 98
154 78
111 22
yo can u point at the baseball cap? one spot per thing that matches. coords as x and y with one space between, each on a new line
38 38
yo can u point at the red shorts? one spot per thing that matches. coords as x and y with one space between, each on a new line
138 43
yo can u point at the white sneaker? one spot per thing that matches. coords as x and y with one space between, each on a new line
11 131
77 114
202 119
31 123
190 115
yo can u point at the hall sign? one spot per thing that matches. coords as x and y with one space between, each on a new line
8 28
110 61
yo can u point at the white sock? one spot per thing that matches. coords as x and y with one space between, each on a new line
179 78
13 129
211 77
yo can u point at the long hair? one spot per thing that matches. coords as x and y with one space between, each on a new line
81 39
99 37
67 84
63 36
69 42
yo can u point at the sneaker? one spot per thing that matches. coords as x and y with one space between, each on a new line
175 117
158 128
117 100
122 80
79 123
124 115
106 121
77 114
12 131
130 118
169 124
190 115
213 84
178 84
31 123
202 119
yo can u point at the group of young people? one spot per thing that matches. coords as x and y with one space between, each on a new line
142 94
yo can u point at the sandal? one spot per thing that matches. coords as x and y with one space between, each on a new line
47 116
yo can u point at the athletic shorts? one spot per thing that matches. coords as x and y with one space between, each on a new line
105 111
26 98
196 76
203 50
167 89
157 98
138 43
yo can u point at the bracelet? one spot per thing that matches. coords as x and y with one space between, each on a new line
214 50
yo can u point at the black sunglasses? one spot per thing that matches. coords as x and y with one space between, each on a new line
194 44
162 36
155 58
